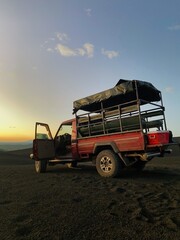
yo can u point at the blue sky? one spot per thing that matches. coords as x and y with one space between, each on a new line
53 52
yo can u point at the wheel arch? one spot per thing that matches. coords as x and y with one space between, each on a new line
98 147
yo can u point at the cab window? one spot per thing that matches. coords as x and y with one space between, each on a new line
65 129
63 139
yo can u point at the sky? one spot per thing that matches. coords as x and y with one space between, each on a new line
53 52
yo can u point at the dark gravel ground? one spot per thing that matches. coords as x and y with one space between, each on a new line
76 203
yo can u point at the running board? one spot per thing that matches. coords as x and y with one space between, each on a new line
62 161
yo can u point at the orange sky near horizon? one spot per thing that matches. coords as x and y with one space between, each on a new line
11 128
15 138
15 135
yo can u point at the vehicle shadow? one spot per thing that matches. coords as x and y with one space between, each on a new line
80 169
155 173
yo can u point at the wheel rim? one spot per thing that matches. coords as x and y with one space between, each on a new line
106 164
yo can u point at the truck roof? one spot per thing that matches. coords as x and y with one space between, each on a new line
69 121
124 91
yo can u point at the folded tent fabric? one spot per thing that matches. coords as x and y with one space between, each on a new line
123 91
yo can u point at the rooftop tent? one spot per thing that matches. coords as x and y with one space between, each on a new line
123 91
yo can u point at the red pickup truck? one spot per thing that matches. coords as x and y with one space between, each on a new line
116 128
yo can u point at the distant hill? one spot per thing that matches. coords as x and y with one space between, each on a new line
17 157
177 139
176 148
12 146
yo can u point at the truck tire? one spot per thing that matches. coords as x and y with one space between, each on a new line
108 164
40 166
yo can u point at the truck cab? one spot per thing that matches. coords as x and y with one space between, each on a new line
52 150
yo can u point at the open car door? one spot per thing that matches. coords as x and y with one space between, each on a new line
43 144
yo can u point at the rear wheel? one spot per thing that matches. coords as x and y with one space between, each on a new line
108 164
40 166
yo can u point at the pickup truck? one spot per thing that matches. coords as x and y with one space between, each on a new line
120 127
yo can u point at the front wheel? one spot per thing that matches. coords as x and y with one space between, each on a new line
40 166
108 164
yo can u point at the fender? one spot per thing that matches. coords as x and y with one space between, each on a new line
105 144
114 147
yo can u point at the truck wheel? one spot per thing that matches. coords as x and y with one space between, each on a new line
40 166
108 164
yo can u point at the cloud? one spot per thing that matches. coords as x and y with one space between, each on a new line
169 90
89 49
62 37
47 42
174 27
88 12
50 50
109 54
65 51
86 50
44 44
80 52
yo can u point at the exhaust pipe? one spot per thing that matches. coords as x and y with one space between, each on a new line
146 156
